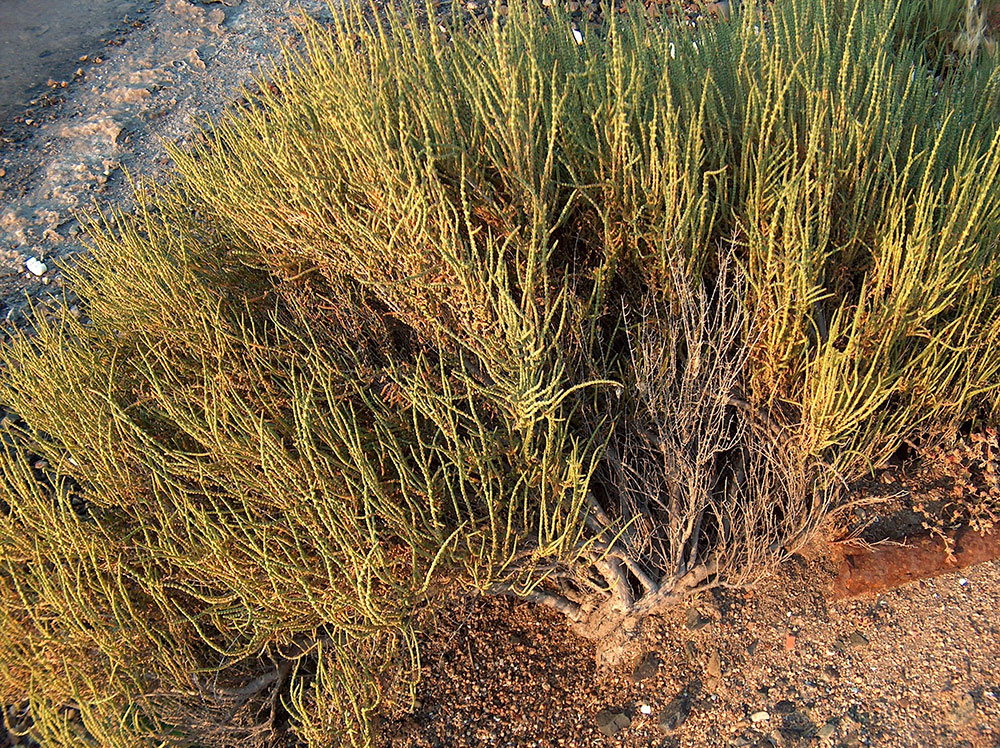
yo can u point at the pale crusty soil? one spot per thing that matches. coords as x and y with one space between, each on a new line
168 67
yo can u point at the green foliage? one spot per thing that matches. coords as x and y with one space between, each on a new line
486 310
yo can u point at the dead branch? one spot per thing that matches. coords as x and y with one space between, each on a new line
557 602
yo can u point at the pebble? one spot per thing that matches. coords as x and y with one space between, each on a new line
695 620
714 668
760 716
830 674
690 650
672 716
784 707
857 639
826 730
36 267
646 668
611 723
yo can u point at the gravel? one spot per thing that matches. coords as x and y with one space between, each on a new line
928 676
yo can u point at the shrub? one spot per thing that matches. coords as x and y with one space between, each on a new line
593 324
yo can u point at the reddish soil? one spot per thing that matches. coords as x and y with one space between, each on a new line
913 666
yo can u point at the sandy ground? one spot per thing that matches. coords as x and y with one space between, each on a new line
172 65
777 665
773 666
41 39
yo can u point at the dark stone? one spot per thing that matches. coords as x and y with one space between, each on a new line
857 639
646 668
673 716
784 707
611 723
695 620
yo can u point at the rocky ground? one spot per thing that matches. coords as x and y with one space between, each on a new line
170 65
772 666
775 665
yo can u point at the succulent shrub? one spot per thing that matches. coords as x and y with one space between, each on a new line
444 310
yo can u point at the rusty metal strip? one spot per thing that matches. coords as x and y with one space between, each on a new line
863 571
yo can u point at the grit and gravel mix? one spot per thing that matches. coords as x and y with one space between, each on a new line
772 666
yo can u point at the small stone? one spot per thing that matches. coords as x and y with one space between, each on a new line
645 709
758 717
611 723
36 267
857 639
784 707
789 642
720 9
695 620
853 740
826 730
964 710
690 650
672 716
646 668
714 668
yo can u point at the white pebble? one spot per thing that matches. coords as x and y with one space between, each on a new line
646 709
759 717
963 581
36 266
578 36
673 51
